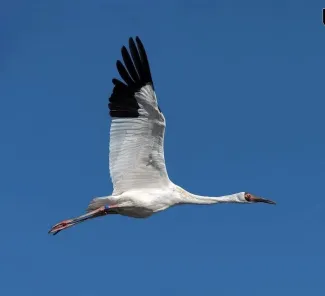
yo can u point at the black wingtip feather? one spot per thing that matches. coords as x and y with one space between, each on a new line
135 56
124 73
136 74
129 65
144 59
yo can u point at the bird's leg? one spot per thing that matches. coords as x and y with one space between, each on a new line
102 211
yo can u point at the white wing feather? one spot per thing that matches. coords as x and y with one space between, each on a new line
138 126
137 147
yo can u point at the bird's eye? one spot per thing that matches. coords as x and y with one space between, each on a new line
247 196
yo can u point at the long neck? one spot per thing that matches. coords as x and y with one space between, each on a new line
190 198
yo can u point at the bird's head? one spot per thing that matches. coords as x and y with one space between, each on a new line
250 198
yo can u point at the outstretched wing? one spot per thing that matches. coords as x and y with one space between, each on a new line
138 126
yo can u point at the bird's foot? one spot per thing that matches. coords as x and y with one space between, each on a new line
61 226
104 210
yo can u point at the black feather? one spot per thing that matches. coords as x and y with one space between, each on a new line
135 56
144 61
136 74
124 74
129 65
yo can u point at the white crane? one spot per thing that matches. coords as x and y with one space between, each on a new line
136 152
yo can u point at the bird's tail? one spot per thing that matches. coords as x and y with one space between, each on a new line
97 203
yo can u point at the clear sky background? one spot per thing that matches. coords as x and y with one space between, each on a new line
241 84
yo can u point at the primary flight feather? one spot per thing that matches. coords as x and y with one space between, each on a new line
141 186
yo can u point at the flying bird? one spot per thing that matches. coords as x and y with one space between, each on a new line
141 186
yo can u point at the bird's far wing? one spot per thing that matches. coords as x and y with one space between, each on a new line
138 126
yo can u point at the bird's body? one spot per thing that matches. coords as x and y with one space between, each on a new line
136 160
139 203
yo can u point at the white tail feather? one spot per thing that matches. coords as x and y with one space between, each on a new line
97 203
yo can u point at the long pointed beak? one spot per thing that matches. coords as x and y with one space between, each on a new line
268 201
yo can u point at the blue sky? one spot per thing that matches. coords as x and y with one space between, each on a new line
241 84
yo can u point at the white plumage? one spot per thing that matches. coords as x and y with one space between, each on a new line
136 159
136 147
